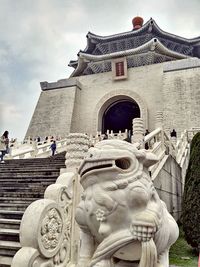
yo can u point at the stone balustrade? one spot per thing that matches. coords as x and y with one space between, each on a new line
153 141
182 146
35 150
159 143
48 233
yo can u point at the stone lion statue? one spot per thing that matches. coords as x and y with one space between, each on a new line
122 219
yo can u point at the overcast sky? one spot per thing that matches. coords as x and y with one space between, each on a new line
38 38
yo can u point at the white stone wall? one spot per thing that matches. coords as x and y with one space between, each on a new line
53 113
171 87
181 99
76 117
145 82
168 184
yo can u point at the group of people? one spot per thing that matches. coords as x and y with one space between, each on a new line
4 146
4 143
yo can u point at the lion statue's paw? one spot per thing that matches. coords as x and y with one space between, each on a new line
103 263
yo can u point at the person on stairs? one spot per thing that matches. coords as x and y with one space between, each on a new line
4 145
53 148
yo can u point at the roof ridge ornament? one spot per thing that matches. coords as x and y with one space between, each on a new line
137 22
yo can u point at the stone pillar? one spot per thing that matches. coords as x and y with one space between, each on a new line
159 119
77 147
174 140
159 124
138 131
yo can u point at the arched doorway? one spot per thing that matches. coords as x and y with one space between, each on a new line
119 115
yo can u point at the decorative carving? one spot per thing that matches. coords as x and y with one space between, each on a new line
60 194
122 219
77 146
45 230
51 229
100 215
138 132
159 119
30 257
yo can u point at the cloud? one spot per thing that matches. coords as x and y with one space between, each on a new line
10 112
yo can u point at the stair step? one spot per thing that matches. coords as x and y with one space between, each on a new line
19 194
28 169
11 212
22 182
5 261
14 214
33 161
9 223
29 180
17 200
32 175
9 248
10 244
9 231
14 206
18 188
9 234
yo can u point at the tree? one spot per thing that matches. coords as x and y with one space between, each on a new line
191 196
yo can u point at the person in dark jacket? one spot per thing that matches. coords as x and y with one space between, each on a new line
53 148
173 133
4 145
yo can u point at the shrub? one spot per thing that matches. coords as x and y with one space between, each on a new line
191 196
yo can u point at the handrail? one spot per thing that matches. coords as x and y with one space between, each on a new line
152 134
36 150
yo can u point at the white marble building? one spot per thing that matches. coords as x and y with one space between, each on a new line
119 77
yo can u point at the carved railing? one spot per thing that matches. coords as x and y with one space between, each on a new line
159 143
48 233
35 150
182 146
109 135
183 149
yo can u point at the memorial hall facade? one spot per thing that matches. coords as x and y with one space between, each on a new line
120 77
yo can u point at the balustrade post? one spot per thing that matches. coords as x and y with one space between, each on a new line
138 132
159 124
77 147
159 119
174 140
35 148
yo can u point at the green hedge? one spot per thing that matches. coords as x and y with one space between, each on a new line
191 196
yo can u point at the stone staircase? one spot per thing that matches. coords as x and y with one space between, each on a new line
22 181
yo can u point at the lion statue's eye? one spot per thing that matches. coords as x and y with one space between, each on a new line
123 163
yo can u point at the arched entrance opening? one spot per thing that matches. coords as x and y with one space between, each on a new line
119 115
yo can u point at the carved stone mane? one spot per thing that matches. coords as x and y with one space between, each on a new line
122 219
